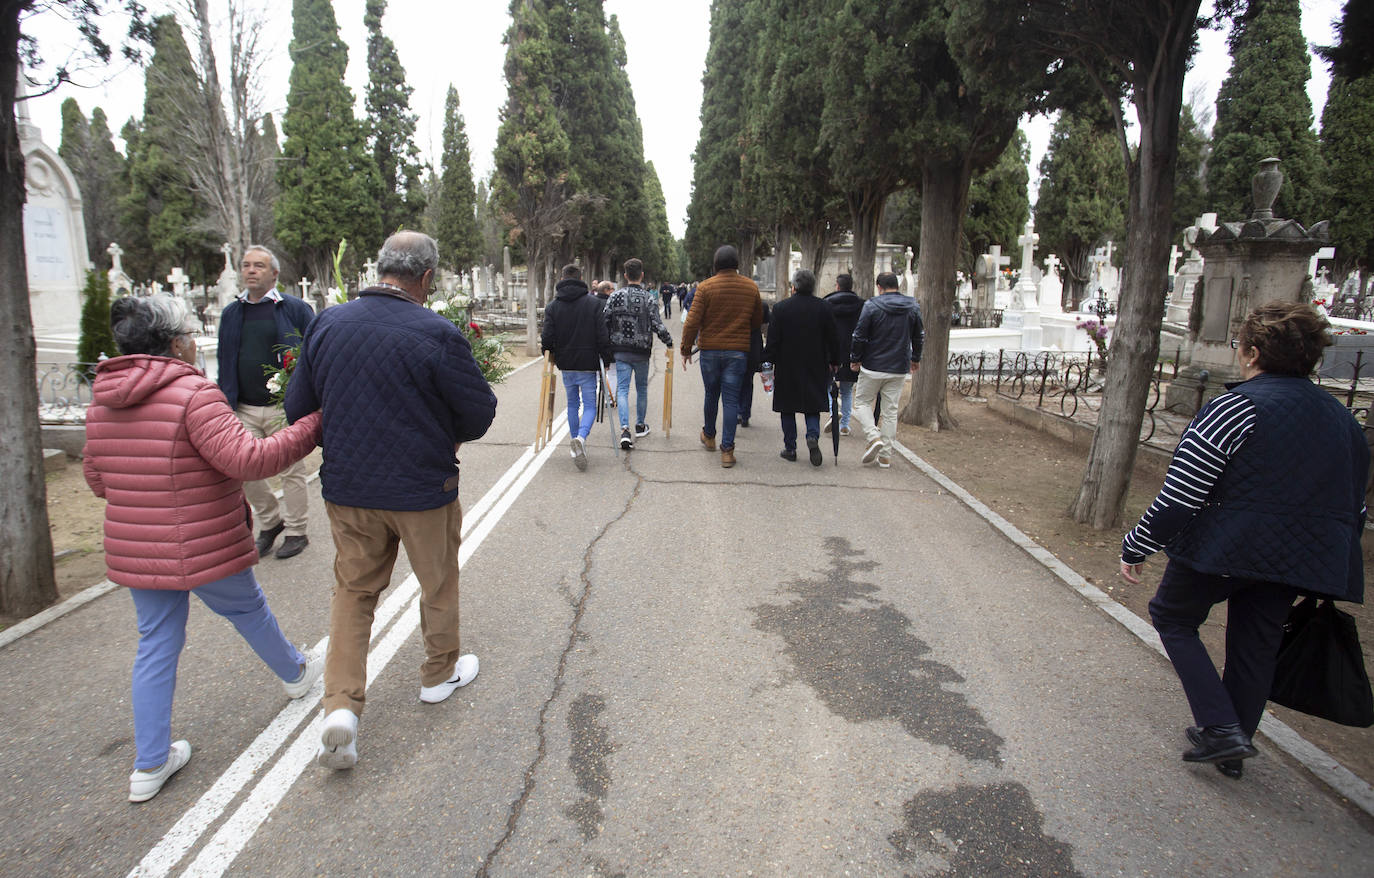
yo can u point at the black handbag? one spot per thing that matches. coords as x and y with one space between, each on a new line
1320 667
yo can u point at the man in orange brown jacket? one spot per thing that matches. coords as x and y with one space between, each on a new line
725 312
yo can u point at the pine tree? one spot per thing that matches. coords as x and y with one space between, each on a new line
97 338
460 244
1262 111
1082 198
160 202
391 128
1347 145
329 183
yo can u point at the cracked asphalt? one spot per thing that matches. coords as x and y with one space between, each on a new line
777 669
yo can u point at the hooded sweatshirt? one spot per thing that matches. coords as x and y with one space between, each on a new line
169 456
574 329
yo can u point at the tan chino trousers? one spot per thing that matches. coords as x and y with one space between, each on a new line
262 421
365 543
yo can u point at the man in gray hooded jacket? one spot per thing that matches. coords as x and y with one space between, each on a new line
887 344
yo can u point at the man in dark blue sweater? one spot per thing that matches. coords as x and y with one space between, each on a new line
253 332
400 391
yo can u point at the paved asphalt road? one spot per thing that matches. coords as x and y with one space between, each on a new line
770 670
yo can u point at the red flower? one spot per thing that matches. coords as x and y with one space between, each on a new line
288 360
476 330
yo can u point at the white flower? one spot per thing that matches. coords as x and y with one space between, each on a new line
274 383
461 301
438 305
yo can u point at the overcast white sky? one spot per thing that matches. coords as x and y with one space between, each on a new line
459 42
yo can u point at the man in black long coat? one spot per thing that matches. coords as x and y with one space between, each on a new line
804 348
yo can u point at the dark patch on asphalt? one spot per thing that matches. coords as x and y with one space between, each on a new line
114 746
590 746
858 654
604 869
982 831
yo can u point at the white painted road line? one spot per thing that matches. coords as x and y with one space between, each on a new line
169 851
1313 758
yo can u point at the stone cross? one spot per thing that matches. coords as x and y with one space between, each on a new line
305 287
1322 253
1028 242
993 261
1174 253
1099 261
1051 265
178 281
228 251
116 253
370 268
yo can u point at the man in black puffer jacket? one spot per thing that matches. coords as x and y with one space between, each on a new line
845 304
575 331
886 345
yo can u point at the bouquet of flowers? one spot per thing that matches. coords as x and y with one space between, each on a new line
489 352
1098 332
279 376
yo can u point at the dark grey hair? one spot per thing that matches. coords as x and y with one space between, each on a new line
147 325
407 255
276 265
804 282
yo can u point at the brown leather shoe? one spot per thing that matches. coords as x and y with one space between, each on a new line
708 441
727 457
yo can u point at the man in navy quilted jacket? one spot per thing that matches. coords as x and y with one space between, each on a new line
400 391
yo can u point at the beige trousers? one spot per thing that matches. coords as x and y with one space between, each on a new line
888 391
262 421
365 542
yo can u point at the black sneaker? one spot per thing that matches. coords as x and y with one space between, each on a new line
641 430
626 442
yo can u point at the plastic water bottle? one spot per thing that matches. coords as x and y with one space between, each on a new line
767 372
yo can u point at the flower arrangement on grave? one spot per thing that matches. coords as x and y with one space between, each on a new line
1097 331
489 352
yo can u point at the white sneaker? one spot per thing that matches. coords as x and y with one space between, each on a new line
579 453
829 423
463 672
872 451
339 740
884 462
143 785
314 667
844 431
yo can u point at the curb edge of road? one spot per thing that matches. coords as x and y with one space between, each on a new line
86 595
1321 764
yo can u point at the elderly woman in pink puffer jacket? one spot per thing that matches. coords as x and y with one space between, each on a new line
168 455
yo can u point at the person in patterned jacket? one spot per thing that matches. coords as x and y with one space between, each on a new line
632 321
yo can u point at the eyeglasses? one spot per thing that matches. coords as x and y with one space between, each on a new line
1235 344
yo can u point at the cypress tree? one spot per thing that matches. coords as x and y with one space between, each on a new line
1190 184
460 244
328 180
659 244
160 202
1348 145
391 128
711 216
267 148
1081 199
998 205
1262 111
97 338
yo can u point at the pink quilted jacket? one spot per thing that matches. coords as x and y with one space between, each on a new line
169 456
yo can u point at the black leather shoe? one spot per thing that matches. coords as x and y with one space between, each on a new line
267 537
1220 744
1232 768
293 546
788 454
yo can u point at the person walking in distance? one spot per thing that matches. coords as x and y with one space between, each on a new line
254 330
400 390
726 308
632 321
575 330
804 351
845 304
887 342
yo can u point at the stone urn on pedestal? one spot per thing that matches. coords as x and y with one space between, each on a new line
1262 259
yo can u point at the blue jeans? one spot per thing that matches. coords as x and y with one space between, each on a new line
789 428
583 385
846 402
162 633
746 396
722 372
623 370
